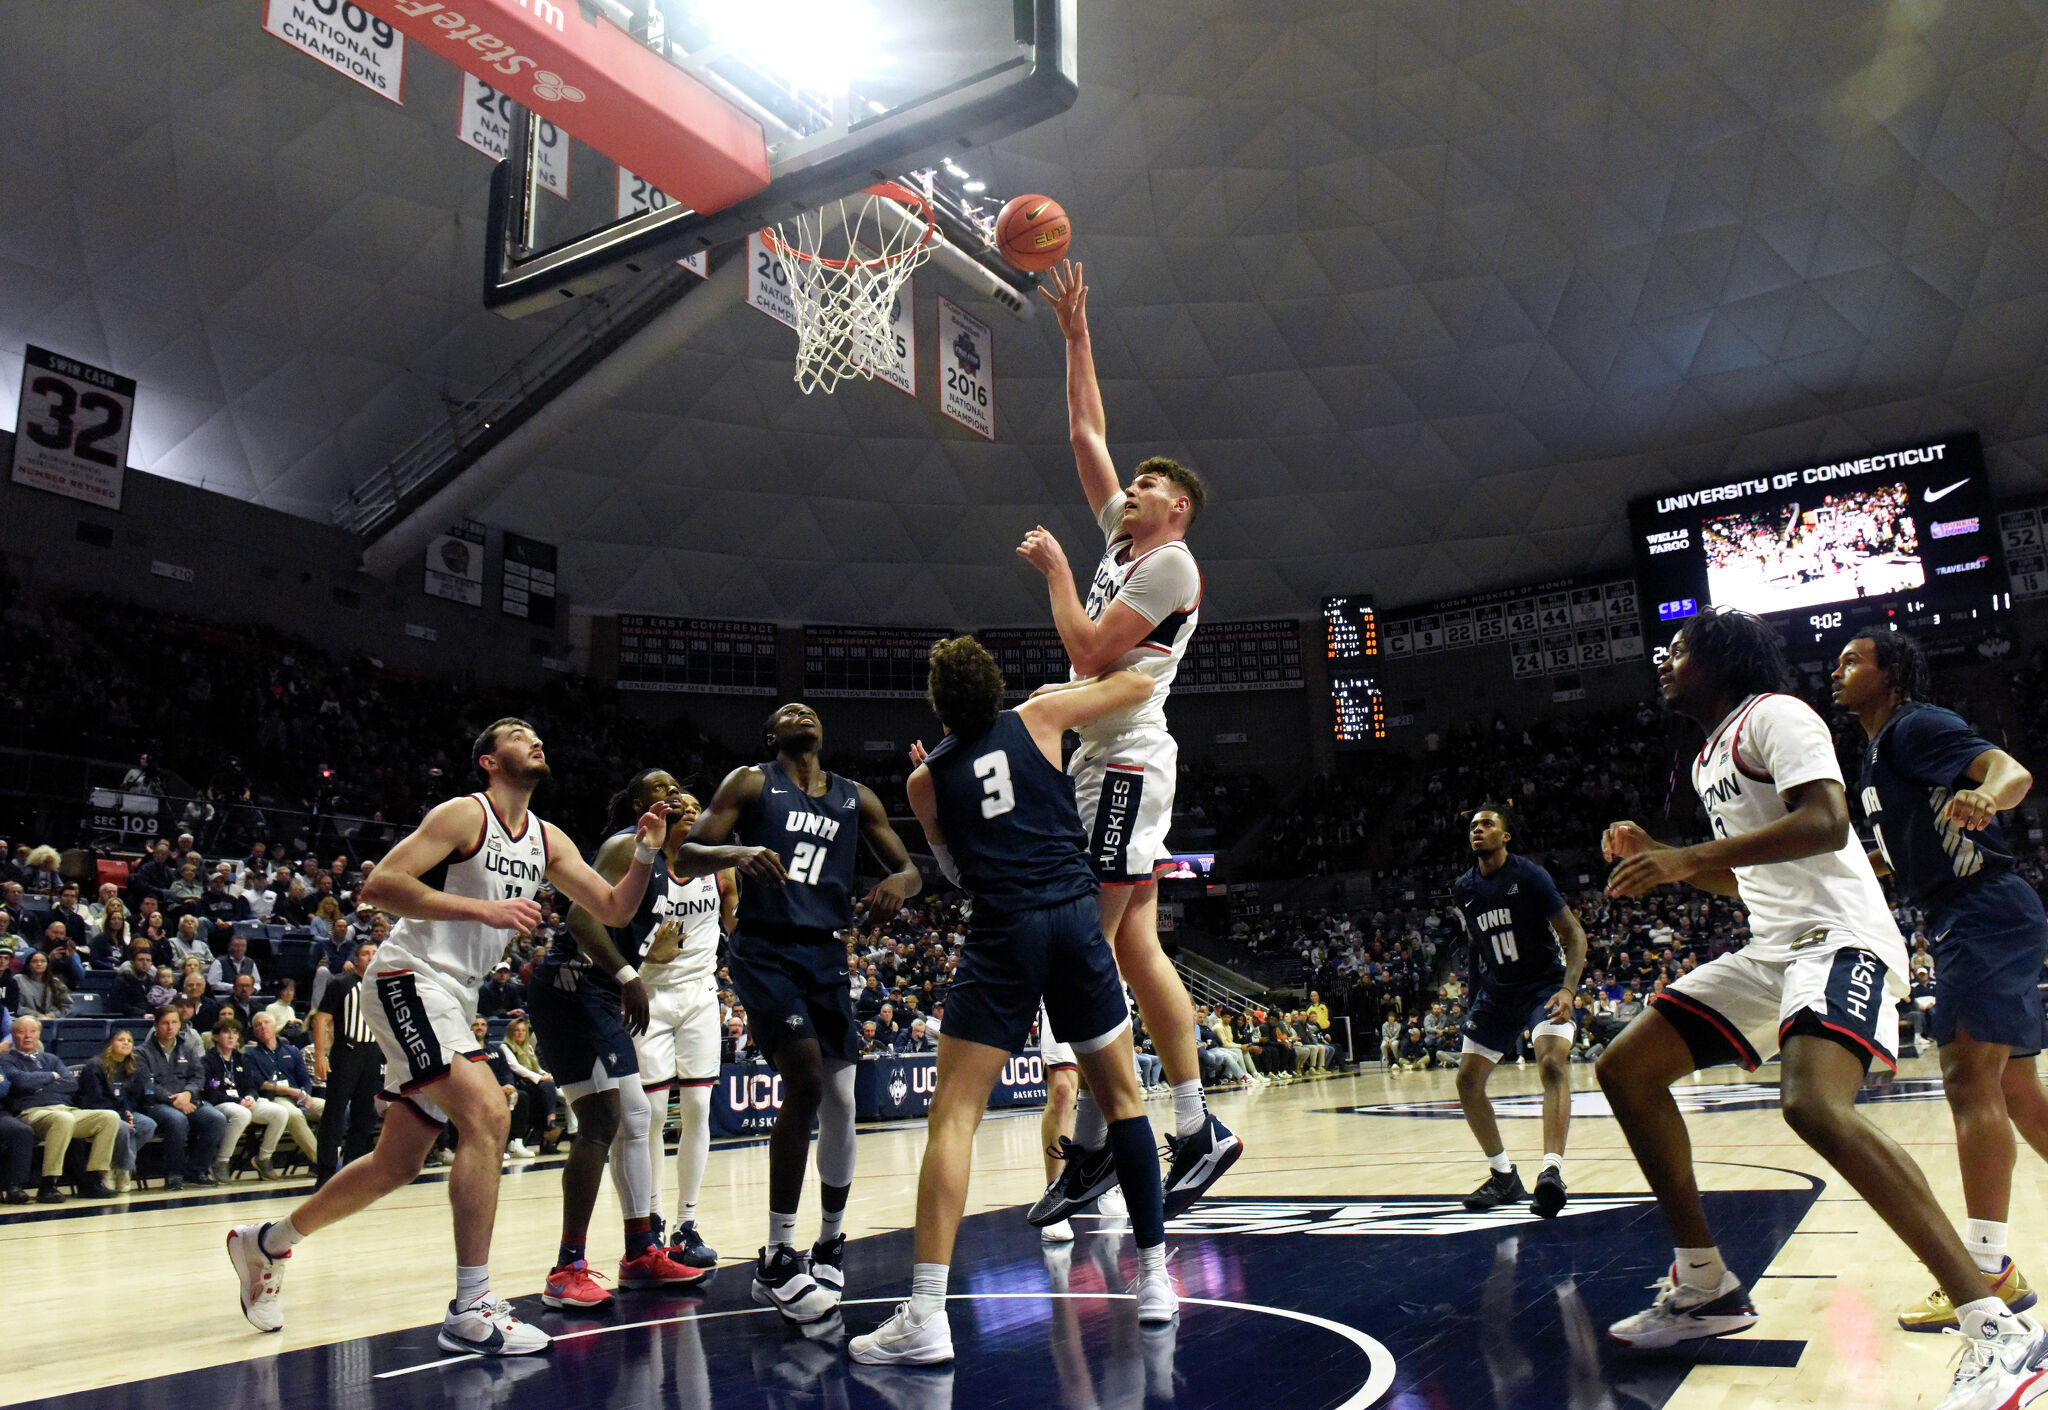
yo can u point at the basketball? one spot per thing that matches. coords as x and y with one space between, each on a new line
1033 233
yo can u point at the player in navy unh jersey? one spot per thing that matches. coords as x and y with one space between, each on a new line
1528 951
1931 790
1002 822
799 829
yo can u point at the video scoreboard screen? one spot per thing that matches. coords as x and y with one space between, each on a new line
1360 710
888 662
1351 632
1234 656
1897 533
696 654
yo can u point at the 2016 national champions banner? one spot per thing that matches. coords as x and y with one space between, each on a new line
890 1088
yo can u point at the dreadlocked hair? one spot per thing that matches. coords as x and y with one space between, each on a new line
1739 651
965 686
1902 660
1505 813
625 807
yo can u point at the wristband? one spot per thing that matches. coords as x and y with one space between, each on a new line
644 854
625 974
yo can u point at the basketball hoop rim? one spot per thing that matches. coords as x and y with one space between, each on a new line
888 190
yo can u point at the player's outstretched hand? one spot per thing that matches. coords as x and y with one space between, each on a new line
1972 809
663 944
515 913
1625 839
653 831
882 903
917 753
1646 871
1043 552
1069 299
761 863
633 1005
1559 1009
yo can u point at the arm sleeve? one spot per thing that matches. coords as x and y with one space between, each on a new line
1111 519
1935 746
1166 581
1787 742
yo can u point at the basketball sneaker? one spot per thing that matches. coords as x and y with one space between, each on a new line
655 1269
1683 1313
902 1342
1111 1205
1158 1303
1935 1313
2000 1364
1060 1232
782 1282
262 1277
486 1328
1198 1161
1549 1197
1087 1174
828 1264
1498 1190
574 1286
690 1250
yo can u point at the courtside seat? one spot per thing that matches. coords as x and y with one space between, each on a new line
87 1003
113 870
97 981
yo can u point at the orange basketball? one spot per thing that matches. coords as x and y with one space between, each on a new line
1033 232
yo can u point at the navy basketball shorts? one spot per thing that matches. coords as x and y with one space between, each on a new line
1990 939
1501 1011
581 1032
1010 962
793 991
1740 1009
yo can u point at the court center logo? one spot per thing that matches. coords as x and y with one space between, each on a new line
1730 1096
1406 1217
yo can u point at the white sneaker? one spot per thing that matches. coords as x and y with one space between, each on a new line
1059 1233
489 1329
2001 1359
785 1284
1683 1313
902 1342
262 1277
1158 1303
1111 1204
518 1150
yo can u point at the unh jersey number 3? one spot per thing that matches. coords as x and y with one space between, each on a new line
994 772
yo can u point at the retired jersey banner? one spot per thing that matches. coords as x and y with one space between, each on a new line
967 369
455 564
567 63
345 37
71 430
528 589
485 120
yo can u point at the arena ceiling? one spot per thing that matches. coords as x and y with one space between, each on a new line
1428 290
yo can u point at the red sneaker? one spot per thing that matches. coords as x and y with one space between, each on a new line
655 1269
574 1286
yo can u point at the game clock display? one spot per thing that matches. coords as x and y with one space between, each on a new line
1905 530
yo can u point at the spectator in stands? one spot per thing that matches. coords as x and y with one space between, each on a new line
235 964
143 778
95 910
38 990
41 1090
347 1059
183 897
154 877
1415 1053
187 941
192 993
870 1041
66 910
537 1095
230 1089
499 995
17 1137
192 1131
130 997
868 1002
1219 1063
888 1032
239 1003
114 1081
284 1014
282 1082
40 878
9 941
109 947
1390 1041
62 948
221 908
15 903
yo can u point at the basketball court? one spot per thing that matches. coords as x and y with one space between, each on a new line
1334 1267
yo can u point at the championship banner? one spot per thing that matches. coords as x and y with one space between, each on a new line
967 366
899 367
484 121
71 429
768 282
637 196
528 586
600 84
345 37
455 564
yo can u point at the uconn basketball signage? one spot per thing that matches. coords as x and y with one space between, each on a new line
887 1088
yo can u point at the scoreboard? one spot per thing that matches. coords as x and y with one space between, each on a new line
1549 628
1360 710
696 654
883 662
1350 630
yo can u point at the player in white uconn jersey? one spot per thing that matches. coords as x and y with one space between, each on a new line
464 883
1818 984
1140 614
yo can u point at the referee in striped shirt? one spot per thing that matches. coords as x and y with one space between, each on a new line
347 1059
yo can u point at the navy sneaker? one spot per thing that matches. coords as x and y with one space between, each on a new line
1198 1161
1086 1175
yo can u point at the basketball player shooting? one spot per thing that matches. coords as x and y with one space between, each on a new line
1140 614
462 885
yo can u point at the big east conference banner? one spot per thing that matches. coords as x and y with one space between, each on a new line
599 84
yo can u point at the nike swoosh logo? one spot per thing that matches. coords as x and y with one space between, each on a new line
1933 495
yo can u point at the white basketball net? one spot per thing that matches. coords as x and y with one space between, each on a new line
846 265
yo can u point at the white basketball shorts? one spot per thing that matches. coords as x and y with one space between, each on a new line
1123 786
421 1018
681 1041
1739 1009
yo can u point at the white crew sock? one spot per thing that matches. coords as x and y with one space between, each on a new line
1986 1243
927 1290
472 1284
1190 1112
1699 1267
1553 1161
781 1230
1499 1163
1091 1127
277 1238
1972 1318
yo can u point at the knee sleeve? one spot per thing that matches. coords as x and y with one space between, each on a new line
693 1144
632 1175
835 1125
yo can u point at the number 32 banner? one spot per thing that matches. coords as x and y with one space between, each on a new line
71 435
967 369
